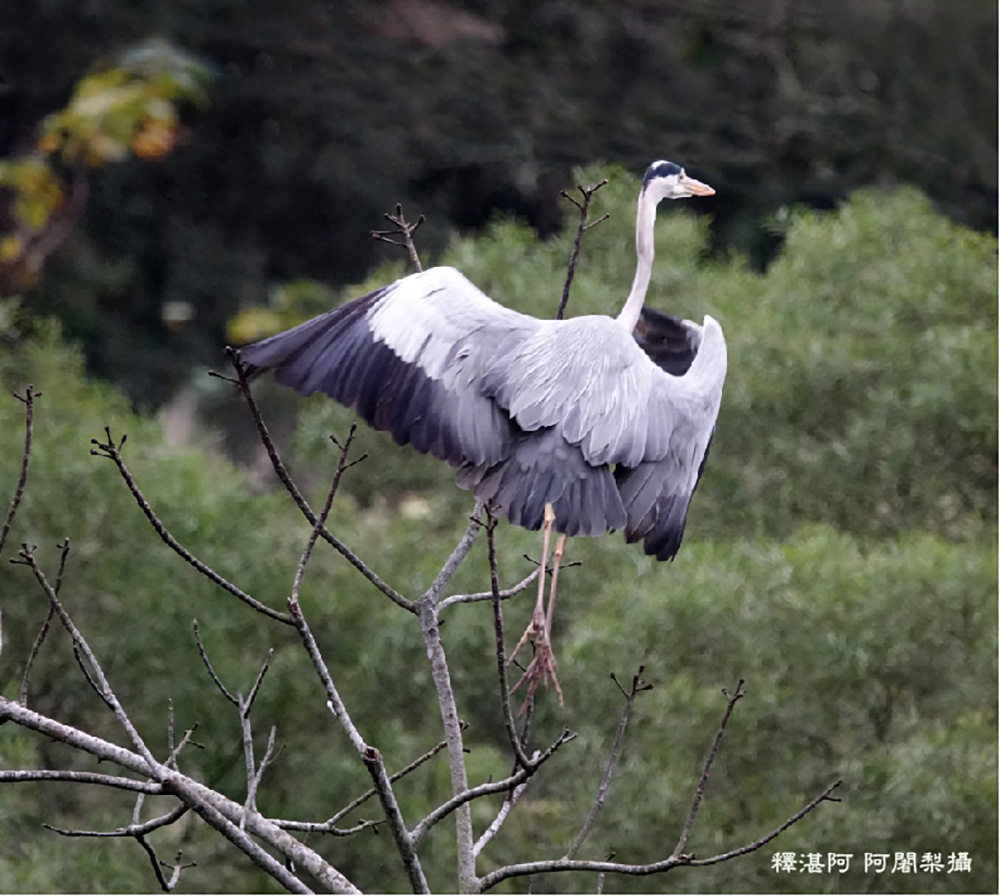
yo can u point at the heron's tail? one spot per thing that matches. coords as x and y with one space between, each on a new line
543 468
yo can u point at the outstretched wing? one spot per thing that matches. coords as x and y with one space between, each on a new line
408 357
657 492
531 412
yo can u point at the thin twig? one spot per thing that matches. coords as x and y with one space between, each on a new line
112 451
582 227
286 480
368 794
465 543
638 686
33 655
29 424
322 827
132 830
699 793
254 779
248 703
505 809
320 523
334 701
516 742
561 865
505 593
404 229
208 665
490 787
102 686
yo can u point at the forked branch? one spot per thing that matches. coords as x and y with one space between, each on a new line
581 228
677 857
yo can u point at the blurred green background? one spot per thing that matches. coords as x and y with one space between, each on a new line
841 550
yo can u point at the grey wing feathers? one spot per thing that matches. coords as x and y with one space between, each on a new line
530 412
339 353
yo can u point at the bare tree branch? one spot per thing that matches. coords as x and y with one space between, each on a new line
465 543
405 842
582 227
404 229
112 451
132 830
516 742
561 865
504 593
219 811
74 777
368 794
320 523
638 686
505 809
431 631
699 793
491 787
102 685
208 665
293 490
29 422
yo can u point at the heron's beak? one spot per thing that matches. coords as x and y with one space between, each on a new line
695 187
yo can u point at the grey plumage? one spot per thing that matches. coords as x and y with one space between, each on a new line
610 428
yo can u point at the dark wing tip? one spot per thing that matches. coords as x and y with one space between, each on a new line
667 340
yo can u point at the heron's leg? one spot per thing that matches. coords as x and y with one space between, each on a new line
543 664
536 627
557 556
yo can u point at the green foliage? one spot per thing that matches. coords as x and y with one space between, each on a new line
841 557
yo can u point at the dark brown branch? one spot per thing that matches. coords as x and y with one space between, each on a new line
342 465
825 796
582 227
29 424
248 703
638 686
112 451
699 793
404 229
33 655
44 630
508 713
286 480
208 665
132 830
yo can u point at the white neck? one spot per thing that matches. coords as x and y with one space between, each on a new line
645 219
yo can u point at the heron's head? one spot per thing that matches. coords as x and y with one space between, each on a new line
667 180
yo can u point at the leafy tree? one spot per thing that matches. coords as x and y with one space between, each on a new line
867 638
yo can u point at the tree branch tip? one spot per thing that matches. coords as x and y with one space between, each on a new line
222 376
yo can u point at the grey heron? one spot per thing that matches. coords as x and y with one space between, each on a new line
605 421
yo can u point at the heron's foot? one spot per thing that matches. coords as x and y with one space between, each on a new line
534 632
541 669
